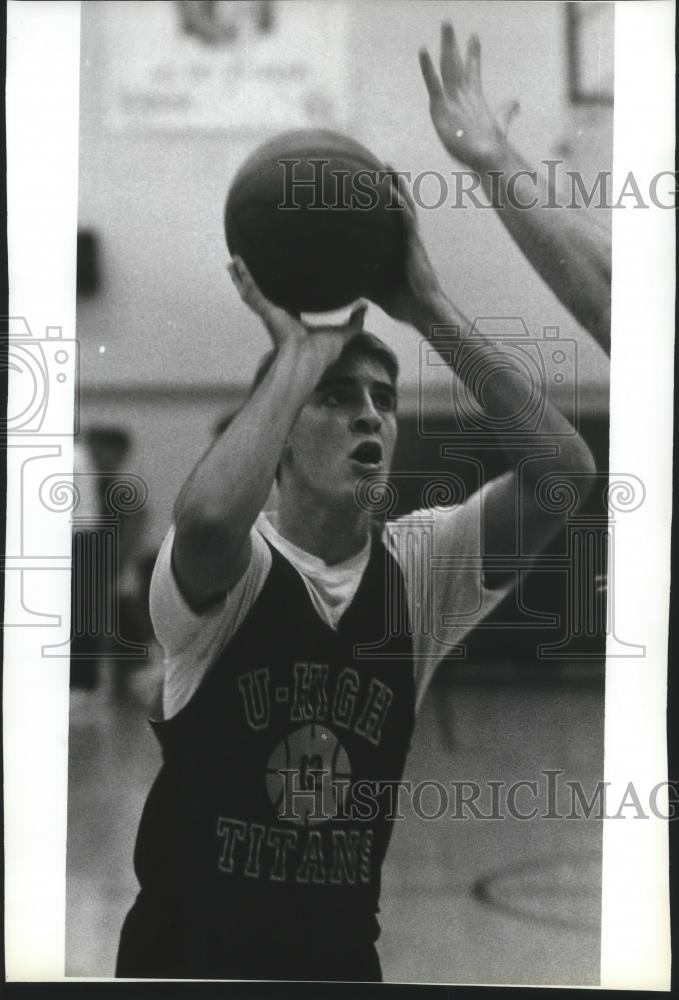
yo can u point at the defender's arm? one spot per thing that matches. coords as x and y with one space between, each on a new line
565 245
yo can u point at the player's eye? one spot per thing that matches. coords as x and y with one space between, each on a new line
336 397
384 401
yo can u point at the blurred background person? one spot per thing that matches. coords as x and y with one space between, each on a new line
110 448
87 646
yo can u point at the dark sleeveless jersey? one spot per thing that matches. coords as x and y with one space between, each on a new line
272 812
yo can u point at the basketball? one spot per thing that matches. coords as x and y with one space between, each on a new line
314 216
314 762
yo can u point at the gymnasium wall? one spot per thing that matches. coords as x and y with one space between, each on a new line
178 346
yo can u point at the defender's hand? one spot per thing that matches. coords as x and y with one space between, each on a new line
464 123
323 343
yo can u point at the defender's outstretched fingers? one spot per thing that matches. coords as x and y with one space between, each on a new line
474 62
507 114
430 76
452 67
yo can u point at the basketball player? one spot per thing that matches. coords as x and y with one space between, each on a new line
299 644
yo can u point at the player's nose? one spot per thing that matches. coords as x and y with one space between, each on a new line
367 419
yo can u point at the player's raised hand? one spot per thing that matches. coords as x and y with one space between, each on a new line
285 329
464 123
281 325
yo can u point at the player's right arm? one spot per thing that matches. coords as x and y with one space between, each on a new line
219 504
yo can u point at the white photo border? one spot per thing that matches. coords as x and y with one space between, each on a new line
42 132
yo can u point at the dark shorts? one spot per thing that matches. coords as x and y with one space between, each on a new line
157 942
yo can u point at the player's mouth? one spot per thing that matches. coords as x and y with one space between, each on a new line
368 454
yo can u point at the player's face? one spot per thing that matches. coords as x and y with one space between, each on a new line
345 430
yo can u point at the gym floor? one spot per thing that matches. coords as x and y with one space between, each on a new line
464 900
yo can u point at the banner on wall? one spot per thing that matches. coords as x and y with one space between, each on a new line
218 64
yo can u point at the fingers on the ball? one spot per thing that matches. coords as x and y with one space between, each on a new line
399 185
391 174
247 286
430 76
403 196
355 322
235 277
233 269
407 198
242 270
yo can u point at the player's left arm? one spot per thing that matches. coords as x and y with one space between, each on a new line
420 301
513 503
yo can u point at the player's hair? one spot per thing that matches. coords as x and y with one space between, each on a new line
364 344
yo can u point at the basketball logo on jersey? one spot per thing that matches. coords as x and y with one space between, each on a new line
308 776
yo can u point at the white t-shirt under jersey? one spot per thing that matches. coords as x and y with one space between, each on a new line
438 551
